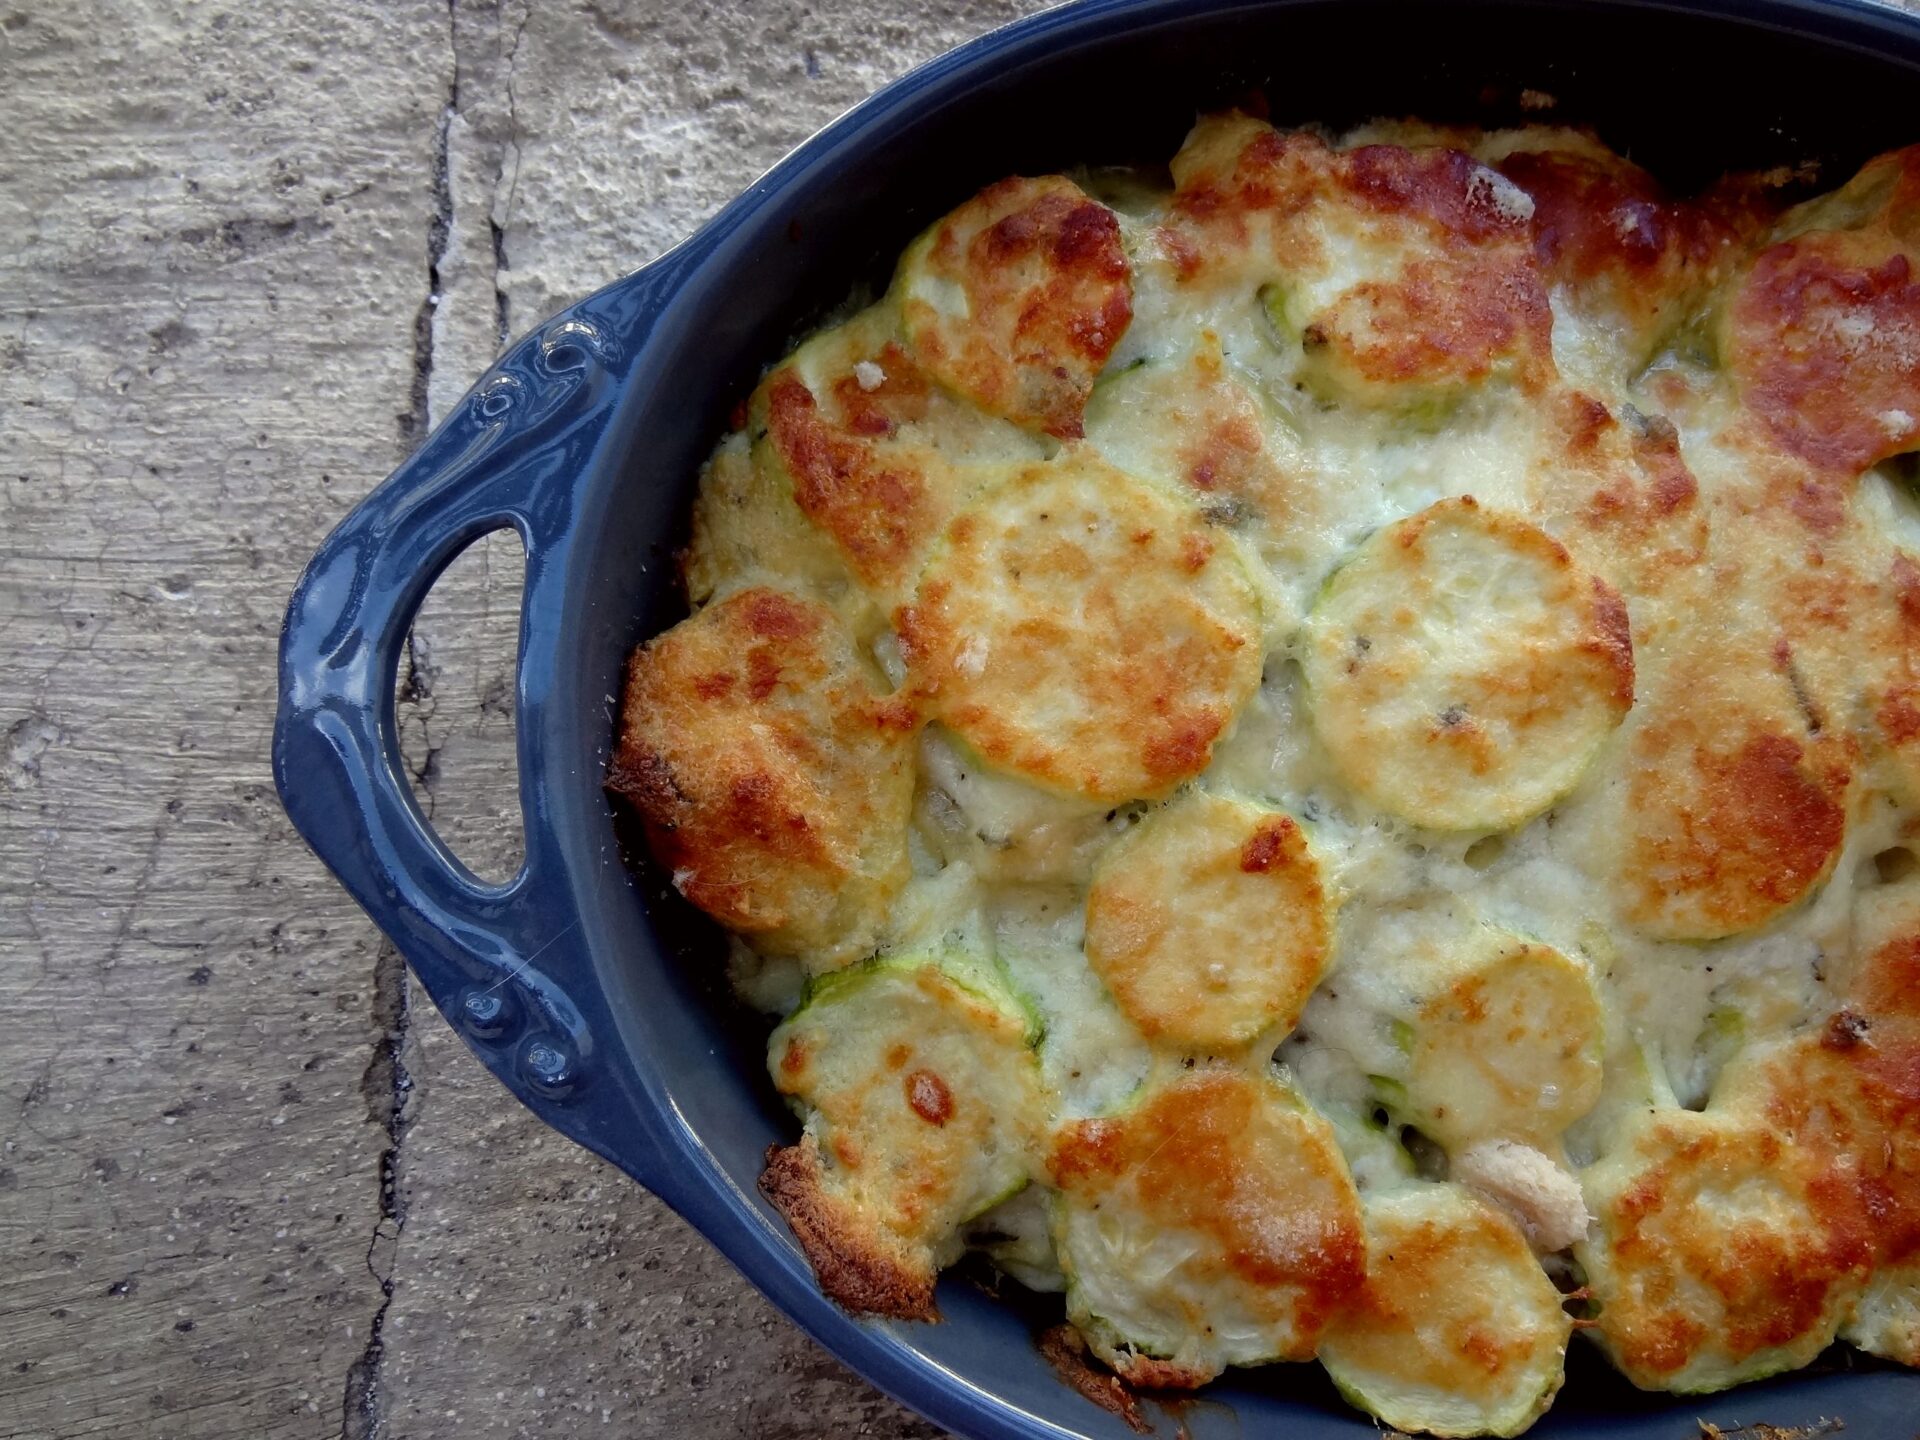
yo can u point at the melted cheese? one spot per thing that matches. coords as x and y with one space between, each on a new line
1082 484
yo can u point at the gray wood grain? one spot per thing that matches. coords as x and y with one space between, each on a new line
249 1186
214 230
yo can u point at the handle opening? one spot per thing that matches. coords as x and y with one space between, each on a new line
456 705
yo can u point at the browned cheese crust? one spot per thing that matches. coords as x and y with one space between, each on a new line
1456 296
1729 1244
1210 923
1081 630
1047 294
1734 818
1615 488
859 1264
773 775
1845 1093
879 501
1823 332
1609 237
1198 1160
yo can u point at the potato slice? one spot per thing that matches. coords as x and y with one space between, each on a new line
1210 922
1463 670
1212 1223
1457 1331
923 1103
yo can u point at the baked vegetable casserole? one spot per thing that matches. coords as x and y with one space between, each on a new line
1322 754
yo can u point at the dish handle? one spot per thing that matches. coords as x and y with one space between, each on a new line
497 959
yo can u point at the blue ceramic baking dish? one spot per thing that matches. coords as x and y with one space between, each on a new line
591 990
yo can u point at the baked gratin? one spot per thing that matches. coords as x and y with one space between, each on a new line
1322 754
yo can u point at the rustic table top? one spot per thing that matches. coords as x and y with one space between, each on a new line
250 1183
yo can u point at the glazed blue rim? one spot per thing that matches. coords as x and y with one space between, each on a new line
495 958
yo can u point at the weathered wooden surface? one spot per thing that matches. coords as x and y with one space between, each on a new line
249 1186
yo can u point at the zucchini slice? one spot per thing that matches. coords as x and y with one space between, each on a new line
1210 922
1506 1042
1731 812
1457 1331
775 777
923 1104
1720 1252
1017 298
1211 1223
1463 670
873 452
1086 632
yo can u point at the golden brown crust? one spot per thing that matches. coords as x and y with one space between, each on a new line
1048 294
1236 182
1891 640
923 1109
773 776
1473 302
1733 818
1083 631
1437 322
1725 1245
1846 1092
1447 291
1824 340
1195 1159
1190 422
1604 230
860 1265
1455 1320
1822 333
878 504
1615 488
1639 481
1210 923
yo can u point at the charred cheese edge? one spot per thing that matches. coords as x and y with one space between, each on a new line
774 775
922 1106
1360 696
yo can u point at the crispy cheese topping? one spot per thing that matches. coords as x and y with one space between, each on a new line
1307 746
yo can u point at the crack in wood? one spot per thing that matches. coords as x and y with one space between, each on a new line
387 1084
414 423
387 1087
